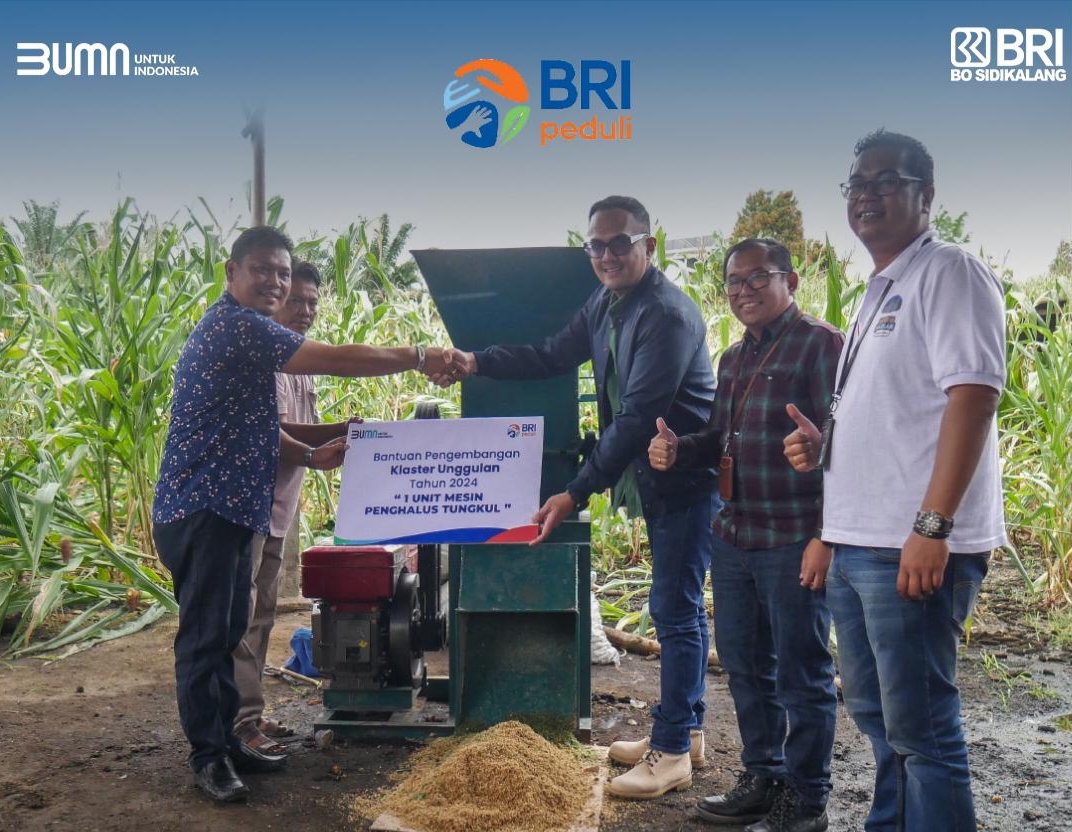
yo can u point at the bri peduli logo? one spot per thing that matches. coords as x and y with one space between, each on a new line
487 101
470 108
525 429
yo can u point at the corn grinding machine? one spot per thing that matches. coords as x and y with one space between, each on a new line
514 620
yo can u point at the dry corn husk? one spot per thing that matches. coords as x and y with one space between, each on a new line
505 778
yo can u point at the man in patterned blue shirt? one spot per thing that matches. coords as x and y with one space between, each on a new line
217 478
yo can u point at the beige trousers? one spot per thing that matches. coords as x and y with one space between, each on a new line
252 651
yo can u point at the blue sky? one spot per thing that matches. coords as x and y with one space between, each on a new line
726 98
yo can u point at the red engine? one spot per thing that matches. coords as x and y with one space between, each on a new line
366 627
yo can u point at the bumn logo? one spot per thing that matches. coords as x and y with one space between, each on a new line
81 58
89 59
368 433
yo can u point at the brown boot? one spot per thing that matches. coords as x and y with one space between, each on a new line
655 775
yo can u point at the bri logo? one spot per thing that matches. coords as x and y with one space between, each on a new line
472 113
523 430
977 54
477 98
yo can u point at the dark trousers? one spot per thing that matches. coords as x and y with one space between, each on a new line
209 560
772 636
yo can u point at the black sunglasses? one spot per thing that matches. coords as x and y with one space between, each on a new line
619 246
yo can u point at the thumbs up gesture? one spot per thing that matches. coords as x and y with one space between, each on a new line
802 445
662 451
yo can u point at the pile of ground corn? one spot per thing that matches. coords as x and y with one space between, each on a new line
505 778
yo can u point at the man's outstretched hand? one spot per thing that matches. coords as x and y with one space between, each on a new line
460 366
554 511
437 360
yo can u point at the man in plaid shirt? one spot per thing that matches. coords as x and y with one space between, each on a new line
771 621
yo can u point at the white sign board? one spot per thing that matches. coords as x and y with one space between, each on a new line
441 481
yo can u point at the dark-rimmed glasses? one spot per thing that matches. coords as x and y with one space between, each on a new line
757 281
883 185
619 246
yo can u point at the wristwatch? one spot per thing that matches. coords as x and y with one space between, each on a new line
933 525
307 458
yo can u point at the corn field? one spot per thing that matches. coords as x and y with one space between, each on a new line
89 335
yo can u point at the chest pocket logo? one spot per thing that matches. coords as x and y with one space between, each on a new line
888 322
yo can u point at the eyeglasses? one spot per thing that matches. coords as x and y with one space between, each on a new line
619 246
757 281
883 185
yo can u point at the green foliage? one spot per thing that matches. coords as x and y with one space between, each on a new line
110 355
1011 681
949 228
87 349
88 343
383 260
841 296
358 261
616 539
1035 417
1061 266
778 216
44 239
53 555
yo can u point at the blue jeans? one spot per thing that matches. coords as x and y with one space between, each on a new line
680 554
898 663
772 637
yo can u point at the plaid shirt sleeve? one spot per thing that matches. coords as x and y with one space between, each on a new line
703 449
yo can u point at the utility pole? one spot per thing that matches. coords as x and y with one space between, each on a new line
254 129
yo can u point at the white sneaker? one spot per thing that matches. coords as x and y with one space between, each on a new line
655 775
628 753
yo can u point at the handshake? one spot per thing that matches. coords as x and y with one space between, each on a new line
446 366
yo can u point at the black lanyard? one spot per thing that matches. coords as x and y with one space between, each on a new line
735 414
850 353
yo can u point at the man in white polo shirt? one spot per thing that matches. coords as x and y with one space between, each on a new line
912 489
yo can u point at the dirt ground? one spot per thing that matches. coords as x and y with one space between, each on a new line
93 742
